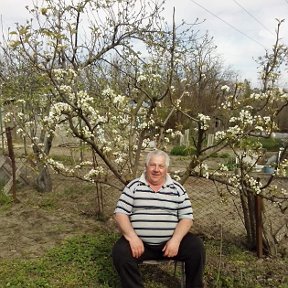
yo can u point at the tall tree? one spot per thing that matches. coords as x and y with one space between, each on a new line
65 43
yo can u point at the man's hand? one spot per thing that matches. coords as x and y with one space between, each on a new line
171 248
137 246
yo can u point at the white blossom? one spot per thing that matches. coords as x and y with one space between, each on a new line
90 176
141 78
225 88
223 168
177 102
220 135
118 99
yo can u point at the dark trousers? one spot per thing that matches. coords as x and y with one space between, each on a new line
191 251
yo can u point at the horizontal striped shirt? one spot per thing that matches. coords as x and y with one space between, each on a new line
154 215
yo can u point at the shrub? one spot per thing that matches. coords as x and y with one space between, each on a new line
65 159
179 151
271 144
224 155
231 163
5 200
182 150
220 155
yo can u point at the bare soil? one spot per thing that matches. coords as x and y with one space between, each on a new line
41 221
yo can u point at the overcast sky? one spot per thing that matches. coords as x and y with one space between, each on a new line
242 29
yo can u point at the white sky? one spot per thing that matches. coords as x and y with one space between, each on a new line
242 29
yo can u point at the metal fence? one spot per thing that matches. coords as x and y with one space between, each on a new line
218 214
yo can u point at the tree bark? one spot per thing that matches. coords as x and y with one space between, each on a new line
13 162
43 180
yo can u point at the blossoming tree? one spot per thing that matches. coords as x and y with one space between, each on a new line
71 45
246 117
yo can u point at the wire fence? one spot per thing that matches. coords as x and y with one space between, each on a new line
218 213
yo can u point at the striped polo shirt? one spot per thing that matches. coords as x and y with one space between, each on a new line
154 216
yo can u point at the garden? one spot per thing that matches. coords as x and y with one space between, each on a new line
86 91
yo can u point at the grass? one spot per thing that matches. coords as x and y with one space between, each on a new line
53 201
65 159
271 144
220 155
5 200
230 163
84 261
182 150
239 268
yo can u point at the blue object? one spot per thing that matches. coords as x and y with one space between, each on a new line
268 170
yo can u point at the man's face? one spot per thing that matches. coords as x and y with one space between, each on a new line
156 170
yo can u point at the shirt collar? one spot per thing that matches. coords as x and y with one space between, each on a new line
168 181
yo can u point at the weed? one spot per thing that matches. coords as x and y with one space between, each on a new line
48 204
271 144
75 190
220 155
231 163
65 159
224 155
5 200
179 151
182 150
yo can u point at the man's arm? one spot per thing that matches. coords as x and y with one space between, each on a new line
182 228
124 224
172 246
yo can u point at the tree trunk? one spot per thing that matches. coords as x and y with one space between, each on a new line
13 162
248 208
252 219
43 180
245 215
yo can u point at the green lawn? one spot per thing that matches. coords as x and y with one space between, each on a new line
85 262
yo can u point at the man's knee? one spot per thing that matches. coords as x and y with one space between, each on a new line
121 251
198 242
193 244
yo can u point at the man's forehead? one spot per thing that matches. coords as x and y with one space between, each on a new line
157 159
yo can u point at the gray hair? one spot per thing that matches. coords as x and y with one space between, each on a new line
158 153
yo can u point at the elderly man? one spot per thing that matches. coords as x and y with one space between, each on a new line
154 215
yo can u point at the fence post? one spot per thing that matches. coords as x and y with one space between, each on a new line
13 162
259 225
2 130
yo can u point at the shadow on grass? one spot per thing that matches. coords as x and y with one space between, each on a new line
158 276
